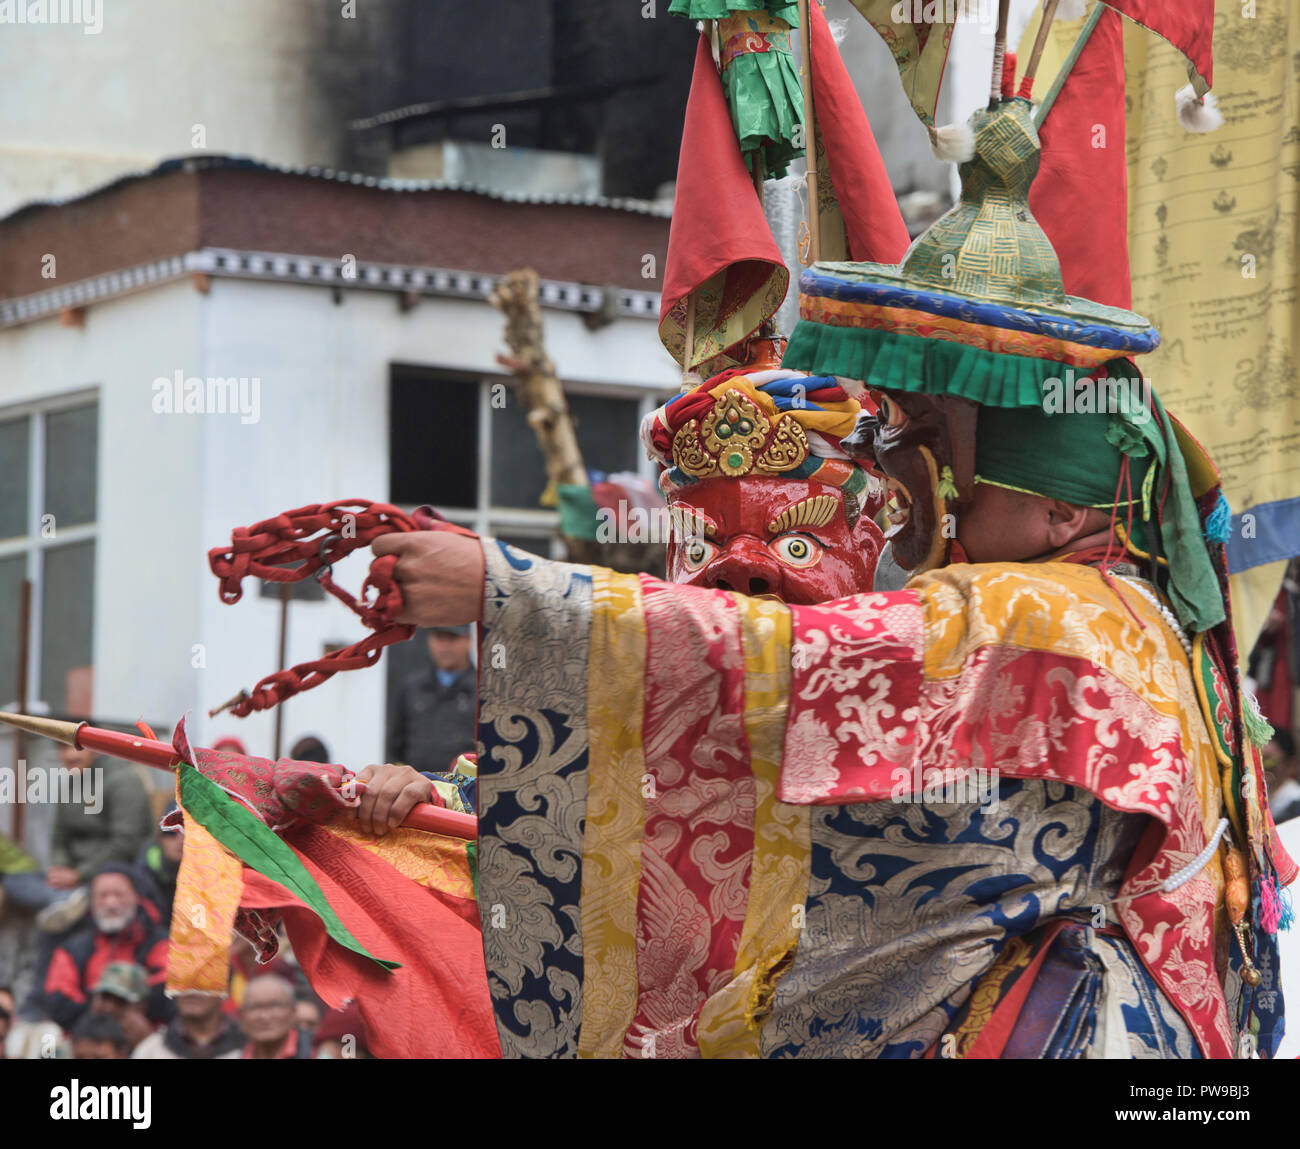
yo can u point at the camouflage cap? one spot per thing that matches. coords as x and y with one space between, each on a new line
124 979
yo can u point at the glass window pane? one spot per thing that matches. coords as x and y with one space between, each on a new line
67 614
432 439
12 572
518 472
607 436
71 447
15 463
607 432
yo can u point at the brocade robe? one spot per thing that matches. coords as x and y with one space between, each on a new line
703 828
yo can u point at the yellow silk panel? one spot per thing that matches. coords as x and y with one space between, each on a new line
1066 609
611 848
732 1018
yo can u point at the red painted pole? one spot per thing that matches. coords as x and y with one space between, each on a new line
162 756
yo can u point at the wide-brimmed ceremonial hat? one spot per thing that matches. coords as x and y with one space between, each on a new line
976 308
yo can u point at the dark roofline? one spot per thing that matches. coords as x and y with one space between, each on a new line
210 162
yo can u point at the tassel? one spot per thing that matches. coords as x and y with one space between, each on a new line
952 143
1253 722
1197 114
1218 524
1068 11
947 488
1287 918
1270 911
1009 75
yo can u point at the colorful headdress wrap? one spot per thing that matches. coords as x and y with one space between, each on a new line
1132 461
977 310
769 424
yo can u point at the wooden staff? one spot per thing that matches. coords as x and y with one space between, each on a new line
1080 43
999 53
1040 42
809 133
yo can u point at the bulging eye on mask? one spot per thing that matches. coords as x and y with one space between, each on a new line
790 539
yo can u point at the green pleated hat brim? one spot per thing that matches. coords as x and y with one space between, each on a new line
899 362
894 361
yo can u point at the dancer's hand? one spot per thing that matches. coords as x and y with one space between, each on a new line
440 573
392 791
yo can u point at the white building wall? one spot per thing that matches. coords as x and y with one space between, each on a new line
323 435
173 486
149 486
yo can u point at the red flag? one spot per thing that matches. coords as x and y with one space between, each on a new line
873 225
1187 24
719 237
437 1003
1081 193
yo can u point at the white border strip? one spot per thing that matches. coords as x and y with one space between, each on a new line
620 303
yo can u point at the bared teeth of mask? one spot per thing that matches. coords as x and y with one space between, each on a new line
897 511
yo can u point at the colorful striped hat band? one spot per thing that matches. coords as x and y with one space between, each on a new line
768 424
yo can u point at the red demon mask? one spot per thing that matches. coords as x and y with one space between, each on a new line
790 538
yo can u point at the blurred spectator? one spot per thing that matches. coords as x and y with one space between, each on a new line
98 1037
15 862
8 1007
160 862
120 931
431 721
200 1032
307 1012
122 993
244 967
1280 770
230 743
109 828
342 1035
267 1015
309 748
1270 664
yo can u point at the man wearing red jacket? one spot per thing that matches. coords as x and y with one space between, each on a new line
120 931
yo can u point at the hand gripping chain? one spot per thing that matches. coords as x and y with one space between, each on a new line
316 537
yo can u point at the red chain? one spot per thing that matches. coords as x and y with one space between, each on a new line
316 537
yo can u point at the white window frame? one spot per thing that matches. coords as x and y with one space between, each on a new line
33 545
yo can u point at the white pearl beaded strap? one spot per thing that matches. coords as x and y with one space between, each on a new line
1142 587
